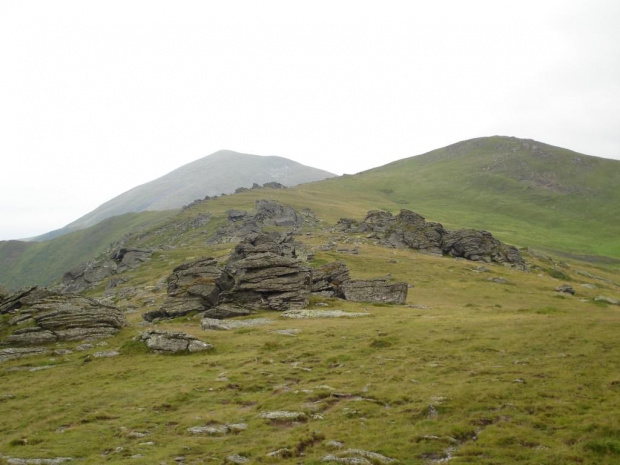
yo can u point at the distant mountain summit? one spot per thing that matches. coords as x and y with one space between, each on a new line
219 173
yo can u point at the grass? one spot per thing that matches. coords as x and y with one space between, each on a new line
486 372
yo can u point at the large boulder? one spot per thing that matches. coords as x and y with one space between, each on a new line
328 279
481 246
39 316
375 290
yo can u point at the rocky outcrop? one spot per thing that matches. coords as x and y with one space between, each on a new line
375 290
192 287
243 224
92 273
172 342
40 316
408 229
264 273
328 279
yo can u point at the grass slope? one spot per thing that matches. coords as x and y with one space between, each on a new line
471 370
26 263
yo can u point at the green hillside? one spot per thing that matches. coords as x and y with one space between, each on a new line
526 193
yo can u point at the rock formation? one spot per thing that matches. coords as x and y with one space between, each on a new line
375 290
327 280
40 316
268 213
92 273
408 229
172 342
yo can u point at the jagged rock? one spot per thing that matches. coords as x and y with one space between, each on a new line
408 229
566 289
328 279
481 246
90 274
263 273
212 323
192 286
268 213
172 342
41 316
375 290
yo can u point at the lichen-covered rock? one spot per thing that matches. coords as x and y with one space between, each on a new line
172 342
328 279
481 246
375 290
40 316
192 286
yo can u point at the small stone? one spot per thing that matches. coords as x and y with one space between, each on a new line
609 300
334 444
305 314
283 415
236 458
566 289
106 354
83 347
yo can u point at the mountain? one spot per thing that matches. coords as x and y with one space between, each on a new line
220 172
525 192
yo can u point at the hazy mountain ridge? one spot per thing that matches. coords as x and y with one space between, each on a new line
221 172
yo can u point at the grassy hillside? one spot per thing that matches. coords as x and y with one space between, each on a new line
469 370
24 263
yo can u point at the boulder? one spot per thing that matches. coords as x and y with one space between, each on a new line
375 290
328 279
40 316
481 246
565 289
172 342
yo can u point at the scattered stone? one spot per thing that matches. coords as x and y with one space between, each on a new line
106 354
218 430
373 456
375 290
51 317
589 286
212 323
498 279
288 332
334 445
236 458
347 460
609 300
566 289
282 453
12 353
305 314
283 415
54 461
83 347
172 342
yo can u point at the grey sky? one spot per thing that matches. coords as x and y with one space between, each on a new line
98 97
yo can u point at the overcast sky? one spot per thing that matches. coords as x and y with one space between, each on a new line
99 97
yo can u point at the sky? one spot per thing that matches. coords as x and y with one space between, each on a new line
99 97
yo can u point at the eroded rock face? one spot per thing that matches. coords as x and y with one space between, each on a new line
192 286
263 272
40 316
242 224
328 279
375 290
408 229
172 342
90 274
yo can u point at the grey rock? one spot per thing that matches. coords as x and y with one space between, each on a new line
589 286
609 300
236 458
283 415
481 246
12 353
375 290
106 354
55 317
347 460
213 323
566 289
328 279
54 461
172 342
309 314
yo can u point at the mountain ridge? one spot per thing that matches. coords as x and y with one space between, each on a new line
220 172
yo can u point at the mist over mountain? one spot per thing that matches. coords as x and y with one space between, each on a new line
219 173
